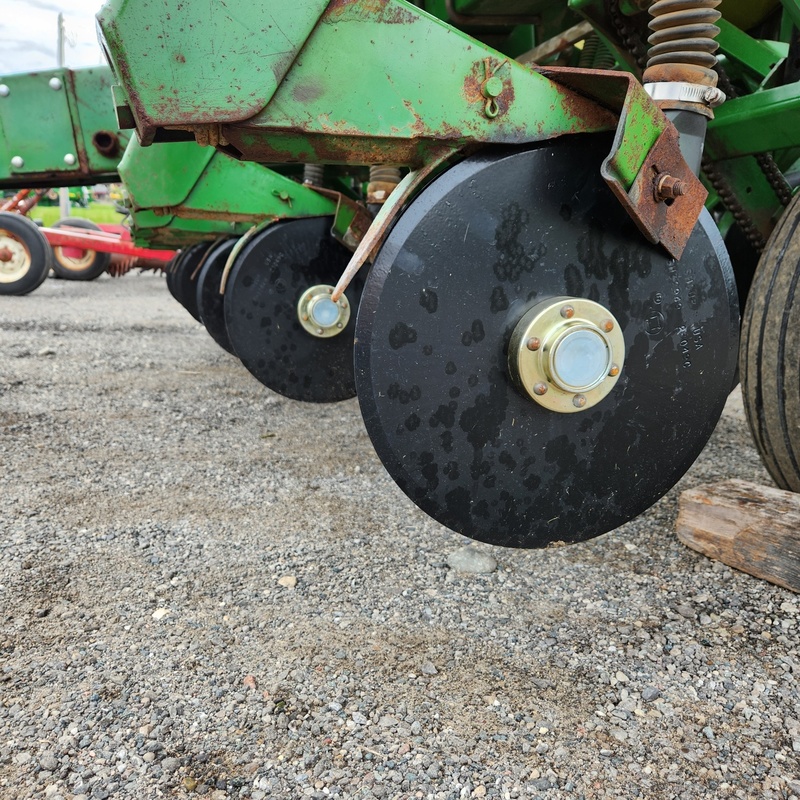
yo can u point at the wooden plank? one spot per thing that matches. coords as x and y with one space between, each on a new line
752 528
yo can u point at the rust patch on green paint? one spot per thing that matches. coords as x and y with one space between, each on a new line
387 11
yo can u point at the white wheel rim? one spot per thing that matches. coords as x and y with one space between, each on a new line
69 262
15 258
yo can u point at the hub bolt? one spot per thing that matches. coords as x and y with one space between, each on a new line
608 326
568 312
579 401
614 371
540 389
534 344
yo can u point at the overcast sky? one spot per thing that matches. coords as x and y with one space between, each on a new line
29 33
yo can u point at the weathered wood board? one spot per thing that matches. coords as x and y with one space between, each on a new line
752 528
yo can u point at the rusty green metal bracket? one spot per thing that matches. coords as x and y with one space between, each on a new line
305 103
645 152
182 192
57 128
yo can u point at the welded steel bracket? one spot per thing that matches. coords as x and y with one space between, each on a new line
351 220
645 153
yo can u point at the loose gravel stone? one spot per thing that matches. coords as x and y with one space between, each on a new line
470 559
144 469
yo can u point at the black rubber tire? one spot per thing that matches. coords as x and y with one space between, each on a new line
22 236
92 266
769 358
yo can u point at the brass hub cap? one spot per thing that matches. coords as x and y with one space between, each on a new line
15 260
567 354
319 315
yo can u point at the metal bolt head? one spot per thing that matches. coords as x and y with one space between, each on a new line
18 162
4 90
493 87
714 96
55 84
608 326
668 187
579 401
533 344
568 312
540 389
614 371
69 159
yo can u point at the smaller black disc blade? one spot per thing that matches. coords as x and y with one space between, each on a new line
210 303
183 286
172 271
266 283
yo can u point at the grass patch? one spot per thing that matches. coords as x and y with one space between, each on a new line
96 212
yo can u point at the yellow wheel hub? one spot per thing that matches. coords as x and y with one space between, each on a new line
567 354
319 315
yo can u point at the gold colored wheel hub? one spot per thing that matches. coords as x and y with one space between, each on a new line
319 315
567 354
15 260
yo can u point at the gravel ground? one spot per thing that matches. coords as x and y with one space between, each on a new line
209 590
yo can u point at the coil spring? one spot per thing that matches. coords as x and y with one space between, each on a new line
314 174
382 174
683 35
589 52
595 55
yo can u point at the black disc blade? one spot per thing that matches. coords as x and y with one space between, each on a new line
184 287
266 282
210 303
480 246
172 271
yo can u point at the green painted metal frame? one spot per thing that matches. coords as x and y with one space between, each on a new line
759 122
50 118
182 193
179 194
417 87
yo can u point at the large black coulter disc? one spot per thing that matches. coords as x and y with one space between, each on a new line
210 303
266 282
494 235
